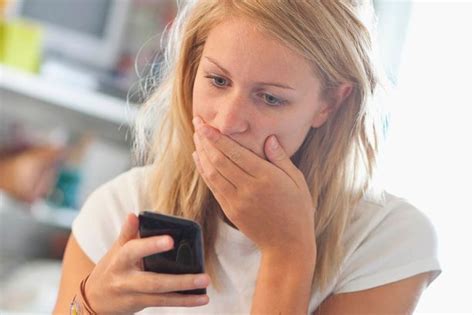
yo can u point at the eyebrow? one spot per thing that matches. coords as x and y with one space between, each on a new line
260 83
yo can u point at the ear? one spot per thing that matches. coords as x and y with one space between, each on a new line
331 104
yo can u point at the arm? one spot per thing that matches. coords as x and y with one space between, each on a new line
284 284
398 297
76 266
252 190
117 283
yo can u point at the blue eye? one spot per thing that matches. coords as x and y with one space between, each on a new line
272 100
220 83
217 81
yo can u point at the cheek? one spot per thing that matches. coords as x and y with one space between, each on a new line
199 99
292 138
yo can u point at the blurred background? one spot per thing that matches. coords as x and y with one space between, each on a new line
70 86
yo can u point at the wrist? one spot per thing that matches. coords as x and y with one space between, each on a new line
80 304
304 253
290 261
284 282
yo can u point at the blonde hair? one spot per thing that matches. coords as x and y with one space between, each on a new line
338 159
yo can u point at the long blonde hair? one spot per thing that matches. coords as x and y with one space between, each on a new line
339 159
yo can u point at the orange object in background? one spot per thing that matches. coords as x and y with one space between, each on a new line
30 174
3 8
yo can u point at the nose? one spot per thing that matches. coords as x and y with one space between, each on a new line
231 116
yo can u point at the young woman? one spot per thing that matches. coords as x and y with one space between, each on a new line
263 128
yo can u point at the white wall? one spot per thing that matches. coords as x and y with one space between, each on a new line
429 152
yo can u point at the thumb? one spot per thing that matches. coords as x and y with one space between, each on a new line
129 229
277 155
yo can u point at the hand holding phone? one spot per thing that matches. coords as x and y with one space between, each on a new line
187 255
118 283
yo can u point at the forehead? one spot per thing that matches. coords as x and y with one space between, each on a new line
248 53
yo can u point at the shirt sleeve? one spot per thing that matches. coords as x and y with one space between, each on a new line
404 244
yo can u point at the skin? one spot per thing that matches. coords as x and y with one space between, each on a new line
252 183
235 119
246 91
239 107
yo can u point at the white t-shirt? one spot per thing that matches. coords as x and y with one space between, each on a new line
385 243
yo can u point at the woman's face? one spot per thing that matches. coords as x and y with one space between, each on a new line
249 87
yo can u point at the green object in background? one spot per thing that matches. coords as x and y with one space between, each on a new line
67 186
20 45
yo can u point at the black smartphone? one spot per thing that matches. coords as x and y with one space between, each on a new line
187 255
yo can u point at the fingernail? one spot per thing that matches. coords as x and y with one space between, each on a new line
163 242
197 121
273 143
201 281
127 221
208 132
202 299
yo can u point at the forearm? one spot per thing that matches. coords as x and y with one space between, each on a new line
284 284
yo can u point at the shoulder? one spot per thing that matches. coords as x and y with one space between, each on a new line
399 215
386 242
387 218
403 223
101 217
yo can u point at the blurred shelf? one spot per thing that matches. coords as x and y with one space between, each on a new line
59 217
81 100
40 211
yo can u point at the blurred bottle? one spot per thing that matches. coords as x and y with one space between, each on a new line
65 192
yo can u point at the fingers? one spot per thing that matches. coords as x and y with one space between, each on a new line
134 250
129 229
277 155
150 282
219 185
173 299
242 157
211 172
225 166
